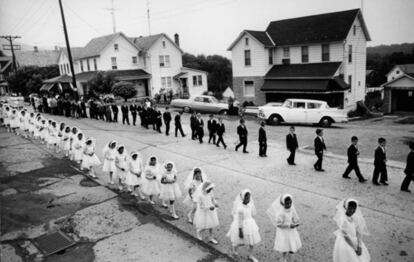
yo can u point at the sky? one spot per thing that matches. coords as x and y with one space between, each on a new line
205 26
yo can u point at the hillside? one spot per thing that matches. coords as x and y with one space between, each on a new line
382 50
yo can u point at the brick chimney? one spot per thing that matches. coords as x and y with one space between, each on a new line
35 49
177 39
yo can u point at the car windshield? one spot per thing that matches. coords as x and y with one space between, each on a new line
214 100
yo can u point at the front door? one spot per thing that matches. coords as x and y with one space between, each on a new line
184 85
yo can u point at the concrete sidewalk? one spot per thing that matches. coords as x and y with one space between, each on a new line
42 192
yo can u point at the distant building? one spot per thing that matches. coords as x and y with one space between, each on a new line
228 93
5 69
399 89
37 57
152 63
319 57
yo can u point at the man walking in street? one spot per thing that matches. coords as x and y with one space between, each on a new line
320 146
292 145
178 126
380 164
167 119
193 126
115 111
212 129
125 117
353 154
242 132
158 119
200 128
262 140
409 170
221 129
133 110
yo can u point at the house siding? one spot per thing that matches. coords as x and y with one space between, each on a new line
393 73
314 51
196 90
238 82
123 56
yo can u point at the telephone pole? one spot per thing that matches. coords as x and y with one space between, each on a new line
148 17
11 47
67 45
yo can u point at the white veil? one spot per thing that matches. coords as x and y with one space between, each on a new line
278 206
190 177
358 218
106 147
238 201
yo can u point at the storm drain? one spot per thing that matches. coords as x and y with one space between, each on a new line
52 243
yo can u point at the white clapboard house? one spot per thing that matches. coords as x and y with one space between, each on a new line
320 57
153 63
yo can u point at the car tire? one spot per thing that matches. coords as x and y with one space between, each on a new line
224 112
326 122
275 120
186 109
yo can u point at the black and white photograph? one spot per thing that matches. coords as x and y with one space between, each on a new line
217 131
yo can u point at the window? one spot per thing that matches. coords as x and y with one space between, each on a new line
194 80
88 66
61 69
116 47
305 54
286 52
350 83
298 104
200 80
314 105
81 63
67 68
113 63
350 54
164 60
246 41
397 72
354 29
247 59
134 60
325 52
144 59
169 81
270 56
166 81
163 44
163 82
95 65
198 99
206 100
248 88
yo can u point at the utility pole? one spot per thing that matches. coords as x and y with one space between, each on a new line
67 45
148 17
11 47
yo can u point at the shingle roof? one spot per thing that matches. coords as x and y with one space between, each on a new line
61 78
75 51
39 58
261 36
407 68
145 42
314 70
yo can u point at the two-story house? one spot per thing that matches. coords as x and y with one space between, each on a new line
318 57
152 63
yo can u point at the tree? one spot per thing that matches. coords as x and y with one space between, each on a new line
29 79
101 84
124 89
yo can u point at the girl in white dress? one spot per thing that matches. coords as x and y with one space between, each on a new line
283 215
121 163
66 141
14 121
31 122
351 226
61 131
78 146
52 135
109 153
36 132
24 123
43 130
194 179
133 178
89 158
72 138
152 177
170 191
7 114
244 230
205 217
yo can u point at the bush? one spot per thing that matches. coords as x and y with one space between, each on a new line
101 84
124 89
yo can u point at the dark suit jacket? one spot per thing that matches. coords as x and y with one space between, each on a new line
212 126
114 108
133 109
124 110
380 157
409 169
193 122
319 145
177 120
291 142
166 116
200 127
221 129
352 154
242 131
262 135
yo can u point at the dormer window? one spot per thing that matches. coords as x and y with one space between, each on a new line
116 47
163 44
246 41
397 72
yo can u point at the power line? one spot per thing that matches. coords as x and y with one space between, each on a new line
10 38
82 19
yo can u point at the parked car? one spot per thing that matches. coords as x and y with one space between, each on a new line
202 103
303 111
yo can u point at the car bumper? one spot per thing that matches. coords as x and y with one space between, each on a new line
261 116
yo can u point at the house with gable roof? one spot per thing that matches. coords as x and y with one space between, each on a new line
153 63
317 57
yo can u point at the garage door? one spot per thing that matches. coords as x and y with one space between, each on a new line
404 100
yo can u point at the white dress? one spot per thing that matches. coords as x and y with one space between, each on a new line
109 160
121 162
78 147
170 191
251 234
133 177
151 184
14 120
31 125
204 218
188 200
6 118
287 239
52 138
343 252
66 141
88 160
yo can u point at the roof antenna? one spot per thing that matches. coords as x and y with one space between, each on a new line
112 9
362 6
148 17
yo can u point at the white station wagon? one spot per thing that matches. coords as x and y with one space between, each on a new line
303 111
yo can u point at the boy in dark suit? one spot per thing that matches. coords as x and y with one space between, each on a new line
200 128
353 154
242 132
115 111
125 118
133 109
167 119
380 164
291 145
193 126
220 132
262 140
212 129
158 119
409 170
178 126
320 146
